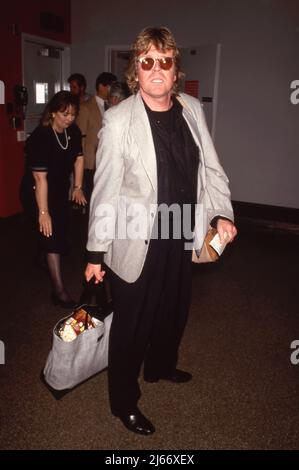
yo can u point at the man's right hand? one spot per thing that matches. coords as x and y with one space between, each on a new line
94 270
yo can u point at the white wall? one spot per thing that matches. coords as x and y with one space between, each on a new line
257 126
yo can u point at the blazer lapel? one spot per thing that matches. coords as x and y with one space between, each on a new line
191 122
142 133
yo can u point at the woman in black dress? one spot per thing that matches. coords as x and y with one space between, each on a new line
53 152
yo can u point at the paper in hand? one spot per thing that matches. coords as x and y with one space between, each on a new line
215 243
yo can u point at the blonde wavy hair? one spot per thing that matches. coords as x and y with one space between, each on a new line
163 40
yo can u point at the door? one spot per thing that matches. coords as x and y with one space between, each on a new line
116 60
44 74
119 63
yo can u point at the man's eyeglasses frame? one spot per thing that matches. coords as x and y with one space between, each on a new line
148 63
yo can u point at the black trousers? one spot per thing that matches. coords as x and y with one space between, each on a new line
148 322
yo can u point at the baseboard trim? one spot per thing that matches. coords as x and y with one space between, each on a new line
265 212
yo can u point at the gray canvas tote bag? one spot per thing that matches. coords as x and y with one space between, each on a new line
70 363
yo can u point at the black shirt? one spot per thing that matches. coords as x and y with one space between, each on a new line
177 156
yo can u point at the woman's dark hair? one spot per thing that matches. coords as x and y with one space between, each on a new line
163 40
59 102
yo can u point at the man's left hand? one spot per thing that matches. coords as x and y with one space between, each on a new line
226 230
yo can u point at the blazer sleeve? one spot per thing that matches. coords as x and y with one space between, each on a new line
107 184
217 196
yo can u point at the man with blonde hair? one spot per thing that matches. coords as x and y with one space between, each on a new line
155 154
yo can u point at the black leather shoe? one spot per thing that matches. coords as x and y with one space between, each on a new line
177 376
136 422
70 303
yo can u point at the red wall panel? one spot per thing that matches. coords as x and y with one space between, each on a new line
16 18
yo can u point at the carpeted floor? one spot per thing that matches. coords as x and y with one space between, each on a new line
244 316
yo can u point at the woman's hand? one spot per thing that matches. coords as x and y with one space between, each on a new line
78 197
45 223
96 271
226 230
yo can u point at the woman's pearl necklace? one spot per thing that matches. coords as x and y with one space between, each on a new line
66 139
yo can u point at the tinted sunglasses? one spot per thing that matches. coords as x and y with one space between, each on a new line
147 63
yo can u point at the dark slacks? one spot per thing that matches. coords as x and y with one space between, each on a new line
148 322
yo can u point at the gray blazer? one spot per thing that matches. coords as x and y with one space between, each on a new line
124 199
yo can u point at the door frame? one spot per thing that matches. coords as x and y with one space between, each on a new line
216 90
108 51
